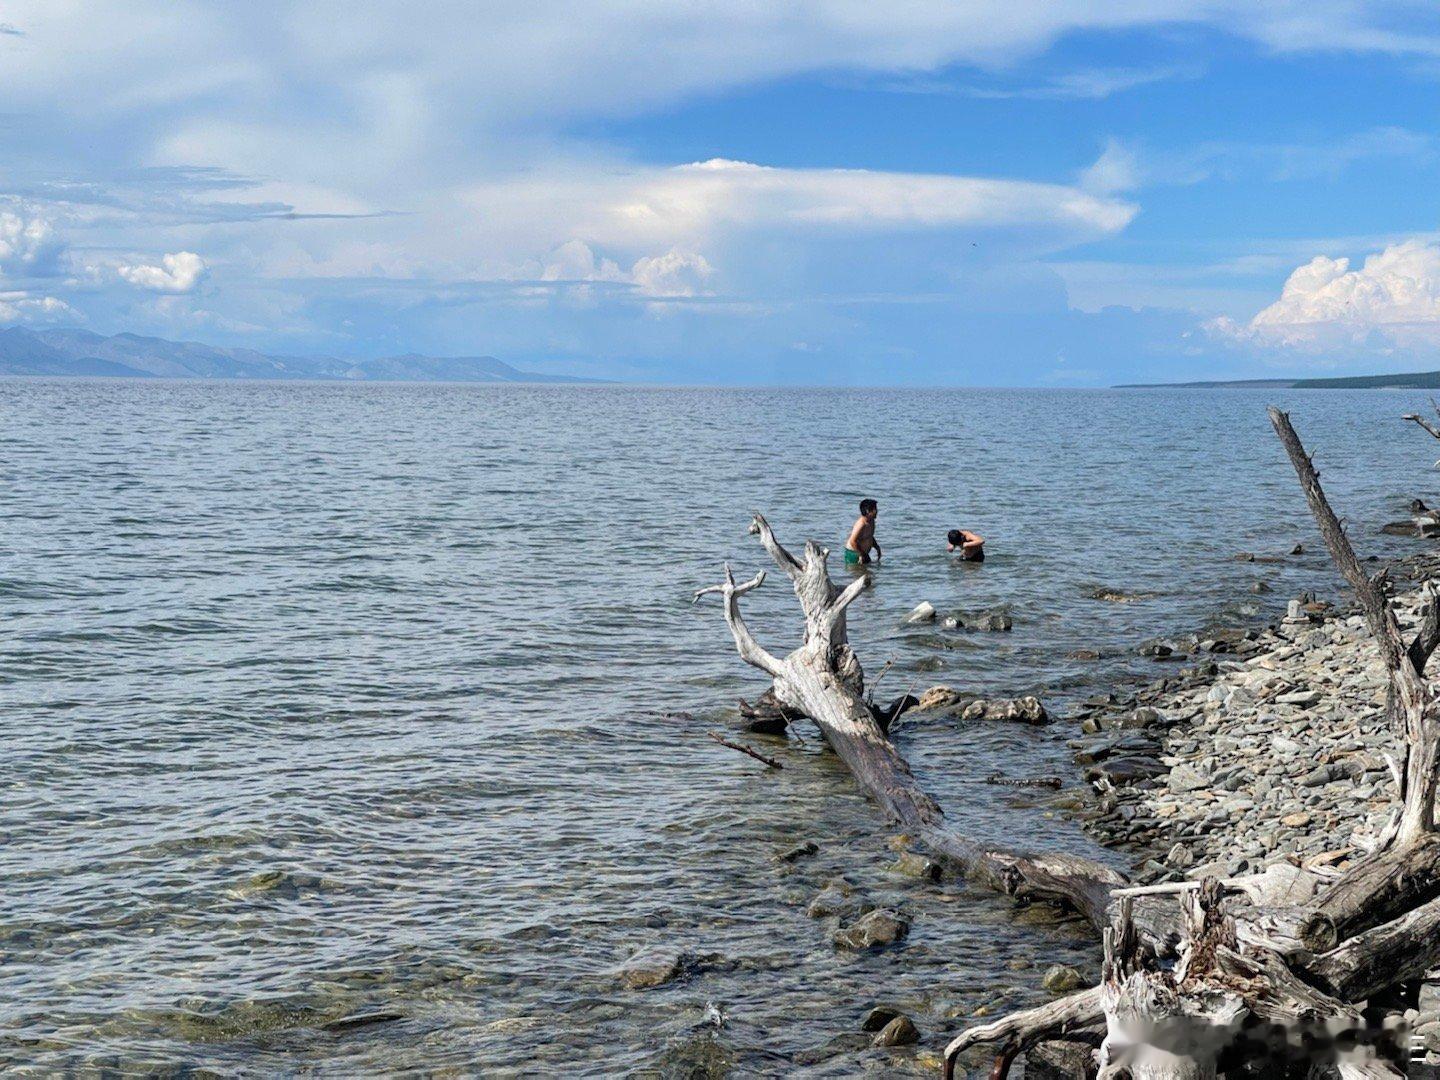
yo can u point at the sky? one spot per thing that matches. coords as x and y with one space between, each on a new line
923 192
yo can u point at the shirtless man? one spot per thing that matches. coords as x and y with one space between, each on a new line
971 546
862 535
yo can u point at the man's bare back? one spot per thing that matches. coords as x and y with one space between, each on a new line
862 534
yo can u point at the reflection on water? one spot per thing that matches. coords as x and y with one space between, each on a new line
332 702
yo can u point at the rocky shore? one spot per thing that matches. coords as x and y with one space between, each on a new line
1272 745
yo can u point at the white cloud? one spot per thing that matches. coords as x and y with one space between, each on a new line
28 244
643 212
23 307
1117 169
676 273
574 261
1391 301
180 272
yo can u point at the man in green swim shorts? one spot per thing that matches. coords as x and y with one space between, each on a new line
862 536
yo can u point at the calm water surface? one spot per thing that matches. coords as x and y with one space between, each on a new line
328 700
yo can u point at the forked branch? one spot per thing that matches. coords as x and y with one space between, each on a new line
847 596
750 650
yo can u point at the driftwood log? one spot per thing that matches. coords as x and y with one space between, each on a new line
1191 970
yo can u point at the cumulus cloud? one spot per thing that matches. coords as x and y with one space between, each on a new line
676 273
28 244
575 261
1391 300
23 307
180 272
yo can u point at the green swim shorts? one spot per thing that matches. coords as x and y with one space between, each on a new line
852 558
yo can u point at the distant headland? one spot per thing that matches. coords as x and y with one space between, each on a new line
1415 380
82 353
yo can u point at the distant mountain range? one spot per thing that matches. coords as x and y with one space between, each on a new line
1415 380
79 352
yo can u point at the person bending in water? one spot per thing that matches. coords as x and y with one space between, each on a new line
862 535
970 545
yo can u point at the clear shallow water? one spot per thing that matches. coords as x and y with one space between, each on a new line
322 700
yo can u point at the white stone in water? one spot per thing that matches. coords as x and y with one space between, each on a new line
922 612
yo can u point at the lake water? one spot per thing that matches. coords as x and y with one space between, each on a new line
325 700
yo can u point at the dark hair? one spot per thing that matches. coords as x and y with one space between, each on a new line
955 536
868 506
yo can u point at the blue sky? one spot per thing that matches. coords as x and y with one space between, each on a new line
929 193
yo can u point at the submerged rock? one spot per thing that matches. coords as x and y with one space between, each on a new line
1062 979
879 1016
874 930
898 1032
1027 710
800 851
834 899
1116 596
916 866
653 966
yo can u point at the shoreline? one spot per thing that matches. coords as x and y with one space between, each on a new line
1272 747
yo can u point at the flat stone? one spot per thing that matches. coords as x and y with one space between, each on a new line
1188 778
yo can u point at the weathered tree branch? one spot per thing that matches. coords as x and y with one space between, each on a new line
1023 1029
750 650
1395 952
783 559
1427 637
746 750
1423 422
1412 702
848 596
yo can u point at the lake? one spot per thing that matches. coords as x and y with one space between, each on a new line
325 701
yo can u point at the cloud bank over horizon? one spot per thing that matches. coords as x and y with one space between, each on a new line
938 192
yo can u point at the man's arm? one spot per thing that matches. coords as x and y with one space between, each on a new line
972 543
876 545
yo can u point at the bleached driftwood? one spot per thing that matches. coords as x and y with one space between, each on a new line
822 679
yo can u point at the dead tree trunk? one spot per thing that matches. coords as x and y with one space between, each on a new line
822 679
